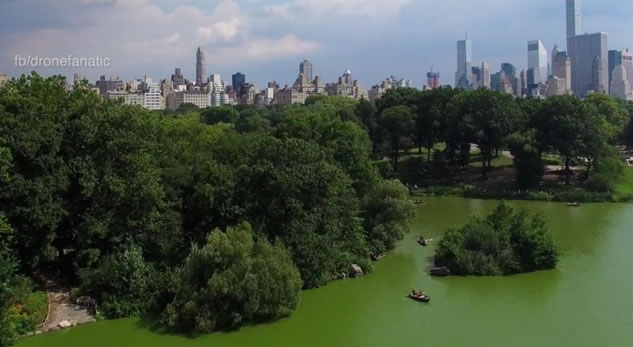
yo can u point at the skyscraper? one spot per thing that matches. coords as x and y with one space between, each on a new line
624 57
476 70
561 68
177 78
620 86
3 79
574 18
537 60
432 80
589 64
239 80
305 69
201 71
463 76
485 75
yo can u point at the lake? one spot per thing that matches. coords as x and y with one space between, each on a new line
586 301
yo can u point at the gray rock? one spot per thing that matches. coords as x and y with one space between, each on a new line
65 324
356 271
440 271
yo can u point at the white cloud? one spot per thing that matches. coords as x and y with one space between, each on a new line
366 8
288 45
137 34
225 30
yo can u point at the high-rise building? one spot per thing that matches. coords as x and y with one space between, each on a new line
112 84
485 75
574 18
178 79
3 79
476 70
152 100
305 69
347 86
77 78
239 80
215 82
537 60
620 85
589 63
624 57
432 80
201 70
561 69
509 70
556 86
463 76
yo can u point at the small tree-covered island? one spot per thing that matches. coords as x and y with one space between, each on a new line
207 220
506 242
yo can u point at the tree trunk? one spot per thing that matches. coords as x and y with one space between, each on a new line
484 172
567 171
428 154
395 157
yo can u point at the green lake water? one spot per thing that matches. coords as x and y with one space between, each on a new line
586 301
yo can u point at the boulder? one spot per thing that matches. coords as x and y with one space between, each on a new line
440 271
65 324
356 271
83 300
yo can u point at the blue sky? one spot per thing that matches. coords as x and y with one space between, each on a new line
266 40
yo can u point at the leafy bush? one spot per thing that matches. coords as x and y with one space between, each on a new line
608 173
26 316
503 243
231 280
387 214
123 283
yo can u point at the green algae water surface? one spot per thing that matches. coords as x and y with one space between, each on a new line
586 302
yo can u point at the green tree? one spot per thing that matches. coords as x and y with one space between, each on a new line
505 242
33 117
232 280
397 124
527 159
367 113
431 118
220 114
487 117
187 108
123 283
408 97
387 213
567 125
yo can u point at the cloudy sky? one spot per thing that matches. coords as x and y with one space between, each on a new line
266 39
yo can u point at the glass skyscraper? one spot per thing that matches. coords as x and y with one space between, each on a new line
464 74
574 18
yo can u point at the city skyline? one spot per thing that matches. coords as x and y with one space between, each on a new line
236 39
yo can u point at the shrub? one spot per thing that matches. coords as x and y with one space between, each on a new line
387 215
231 280
123 283
503 243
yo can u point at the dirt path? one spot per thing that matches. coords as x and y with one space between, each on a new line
61 309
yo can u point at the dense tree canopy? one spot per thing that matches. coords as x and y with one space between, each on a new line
232 279
505 242
94 190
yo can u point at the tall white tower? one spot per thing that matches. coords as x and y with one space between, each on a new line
537 60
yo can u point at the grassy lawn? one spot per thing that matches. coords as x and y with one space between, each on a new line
626 186
500 161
